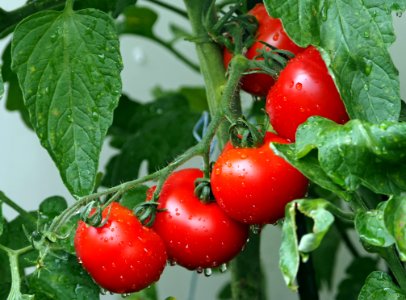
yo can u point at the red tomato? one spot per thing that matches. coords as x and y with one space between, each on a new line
270 31
253 185
197 235
303 89
122 256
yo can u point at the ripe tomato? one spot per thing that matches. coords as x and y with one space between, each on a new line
122 256
270 31
196 234
253 185
303 89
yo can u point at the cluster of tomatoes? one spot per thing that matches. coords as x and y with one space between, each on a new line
250 185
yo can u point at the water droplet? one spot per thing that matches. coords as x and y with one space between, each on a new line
368 67
243 156
223 268
324 12
366 34
217 171
276 36
172 262
298 86
103 291
291 84
102 57
121 277
199 270
208 272
255 229
399 14
366 86
54 37
125 295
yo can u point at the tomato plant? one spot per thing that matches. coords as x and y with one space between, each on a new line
253 185
303 89
271 32
73 69
122 256
196 234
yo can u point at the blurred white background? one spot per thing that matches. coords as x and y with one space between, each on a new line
28 175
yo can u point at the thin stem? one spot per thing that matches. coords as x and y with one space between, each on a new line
344 216
247 278
17 208
172 8
175 52
395 265
69 5
13 256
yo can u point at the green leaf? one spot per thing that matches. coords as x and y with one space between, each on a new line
324 258
225 292
1 218
371 228
68 65
14 96
357 271
134 196
355 36
62 278
156 132
138 20
353 155
310 167
1 85
53 206
395 221
290 246
379 285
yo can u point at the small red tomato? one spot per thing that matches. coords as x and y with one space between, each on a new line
303 89
196 234
122 256
253 185
270 31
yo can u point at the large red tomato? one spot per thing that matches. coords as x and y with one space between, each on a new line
196 234
303 89
122 256
270 31
253 185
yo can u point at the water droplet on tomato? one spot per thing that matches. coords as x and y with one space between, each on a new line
121 277
199 270
223 268
276 36
243 156
291 84
208 272
298 86
217 171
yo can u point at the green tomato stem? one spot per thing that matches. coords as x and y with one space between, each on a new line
247 278
13 256
395 265
172 8
17 208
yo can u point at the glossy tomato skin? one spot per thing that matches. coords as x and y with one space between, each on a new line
197 235
270 31
122 256
253 185
303 89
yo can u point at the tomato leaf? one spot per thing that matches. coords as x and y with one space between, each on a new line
350 155
355 36
135 196
1 85
68 65
14 96
138 20
395 218
310 167
356 273
324 258
379 285
155 132
371 228
291 248
62 278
